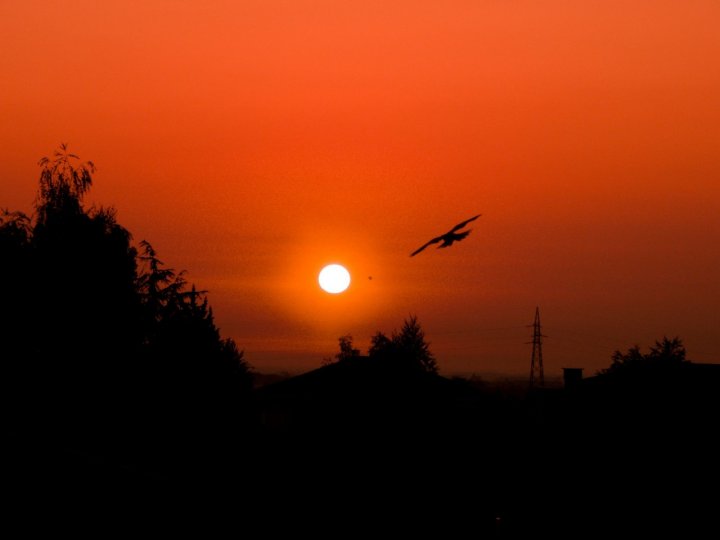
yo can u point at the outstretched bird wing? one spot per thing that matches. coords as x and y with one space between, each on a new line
447 234
433 241
461 225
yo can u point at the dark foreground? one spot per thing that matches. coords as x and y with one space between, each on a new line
449 462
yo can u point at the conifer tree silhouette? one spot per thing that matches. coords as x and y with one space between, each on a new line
407 348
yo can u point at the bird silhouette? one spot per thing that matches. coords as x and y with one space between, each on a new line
449 237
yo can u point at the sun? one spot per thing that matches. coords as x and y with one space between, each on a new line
334 278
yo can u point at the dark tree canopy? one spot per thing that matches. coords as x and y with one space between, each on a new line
407 348
101 341
667 352
64 180
347 351
84 269
15 267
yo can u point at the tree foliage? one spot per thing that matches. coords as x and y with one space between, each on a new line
407 348
15 267
15 227
667 352
99 334
64 180
347 351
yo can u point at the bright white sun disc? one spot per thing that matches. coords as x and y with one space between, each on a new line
334 278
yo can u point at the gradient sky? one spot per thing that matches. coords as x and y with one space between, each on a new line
252 142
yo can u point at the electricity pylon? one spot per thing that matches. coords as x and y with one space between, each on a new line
537 377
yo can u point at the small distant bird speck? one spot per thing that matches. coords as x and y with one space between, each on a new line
449 237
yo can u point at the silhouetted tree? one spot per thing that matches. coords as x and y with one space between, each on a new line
347 351
407 347
380 346
159 289
86 269
15 228
15 311
179 322
667 352
198 383
233 364
85 308
15 236
63 182
101 345
413 347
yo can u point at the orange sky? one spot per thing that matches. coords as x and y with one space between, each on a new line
251 142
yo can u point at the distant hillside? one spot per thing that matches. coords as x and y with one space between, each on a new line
489 380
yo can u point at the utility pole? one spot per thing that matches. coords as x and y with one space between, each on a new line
537 376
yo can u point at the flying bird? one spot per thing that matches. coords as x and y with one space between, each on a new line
449 237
